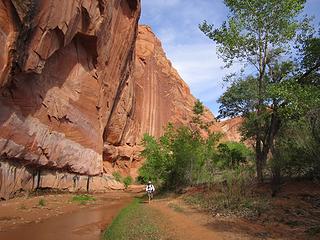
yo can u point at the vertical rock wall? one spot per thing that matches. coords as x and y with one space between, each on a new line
160 96
79 86
63 67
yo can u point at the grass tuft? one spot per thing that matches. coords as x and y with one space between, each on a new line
22 207
83 198
136 221
42 202
117 176
127 181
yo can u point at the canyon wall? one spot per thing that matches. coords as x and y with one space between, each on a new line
80 83
230 129
63 66
161 96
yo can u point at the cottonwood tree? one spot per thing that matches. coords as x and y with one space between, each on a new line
259 35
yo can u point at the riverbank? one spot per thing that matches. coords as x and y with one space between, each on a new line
60 216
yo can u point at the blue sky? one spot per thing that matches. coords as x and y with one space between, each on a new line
175 22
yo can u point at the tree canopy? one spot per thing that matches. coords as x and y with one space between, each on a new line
276 86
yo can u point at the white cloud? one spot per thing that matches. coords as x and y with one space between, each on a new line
167 35
175 22
201 69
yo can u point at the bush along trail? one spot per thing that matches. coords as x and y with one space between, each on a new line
207 213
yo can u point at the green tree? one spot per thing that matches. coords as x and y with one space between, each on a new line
259 34
181 156
198 108
232 154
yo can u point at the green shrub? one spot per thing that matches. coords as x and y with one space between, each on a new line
232 154
181 156
297 152
42 202
117 176
83 198
127 181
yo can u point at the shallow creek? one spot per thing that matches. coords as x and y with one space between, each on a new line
82 224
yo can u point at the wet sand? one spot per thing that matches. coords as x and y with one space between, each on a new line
84 223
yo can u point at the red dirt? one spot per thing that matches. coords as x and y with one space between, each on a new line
60 218
293 213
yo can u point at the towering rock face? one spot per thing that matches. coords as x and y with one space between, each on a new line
64 69
79 86
160 96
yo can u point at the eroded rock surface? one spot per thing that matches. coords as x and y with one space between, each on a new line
63 66
230 129
160 96
79 86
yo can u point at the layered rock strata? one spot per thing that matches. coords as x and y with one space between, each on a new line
63 66
161 96
80 84
231 129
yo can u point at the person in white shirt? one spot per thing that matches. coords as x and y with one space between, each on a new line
150 189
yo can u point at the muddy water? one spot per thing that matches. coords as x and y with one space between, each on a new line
83 224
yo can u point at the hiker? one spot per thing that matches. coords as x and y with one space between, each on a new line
150 189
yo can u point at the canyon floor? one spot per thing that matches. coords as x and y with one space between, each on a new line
60 216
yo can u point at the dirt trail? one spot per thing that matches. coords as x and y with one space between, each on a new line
72 221
182 226
183 222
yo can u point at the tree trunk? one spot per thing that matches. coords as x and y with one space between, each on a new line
259 166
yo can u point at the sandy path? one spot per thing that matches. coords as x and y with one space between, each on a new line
184 222
183 226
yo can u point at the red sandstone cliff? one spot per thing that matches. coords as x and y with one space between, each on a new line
79 86
63 66
161 96
230 129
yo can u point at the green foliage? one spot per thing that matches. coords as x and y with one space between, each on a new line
180 157
266 36
183 157
117 176
158 155
239 99
127 181
255 26
41 202
198 108
310 60
136 222
299 99
232 154
83 198
297 152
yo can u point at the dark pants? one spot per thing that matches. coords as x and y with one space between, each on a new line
150 194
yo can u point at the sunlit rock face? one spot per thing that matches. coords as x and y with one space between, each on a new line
80 84
230 129
64 66
160 96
